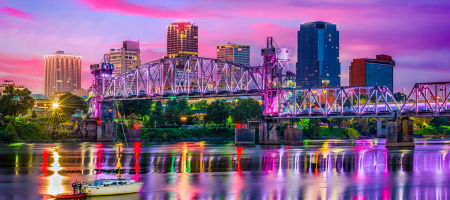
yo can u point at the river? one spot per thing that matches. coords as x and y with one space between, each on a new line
327 169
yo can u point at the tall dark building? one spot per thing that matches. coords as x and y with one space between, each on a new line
318 55
182 39
370 72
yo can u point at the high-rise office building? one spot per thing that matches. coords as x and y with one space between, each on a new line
125 58
370 72
235 53
182 39
318 55
62 73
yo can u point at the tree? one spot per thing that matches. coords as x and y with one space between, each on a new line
218 112
156 114
199 105
69 103
245 110
139 107
314 127
15 102
171 114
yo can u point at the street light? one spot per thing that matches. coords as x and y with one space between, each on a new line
55 105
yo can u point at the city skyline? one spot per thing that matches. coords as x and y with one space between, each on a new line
420 51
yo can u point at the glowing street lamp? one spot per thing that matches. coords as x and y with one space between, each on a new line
55 105
183 118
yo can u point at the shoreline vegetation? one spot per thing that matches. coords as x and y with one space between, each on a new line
175 120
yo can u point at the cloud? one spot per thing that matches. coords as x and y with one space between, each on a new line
14 13
24 70
124 7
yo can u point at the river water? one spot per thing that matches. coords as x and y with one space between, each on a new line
327 169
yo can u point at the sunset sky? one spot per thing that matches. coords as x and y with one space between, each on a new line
415 33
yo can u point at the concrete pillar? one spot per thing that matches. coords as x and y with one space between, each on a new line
293 136
381 132
133 134
244 136
400 133
90 130
106 131
269 133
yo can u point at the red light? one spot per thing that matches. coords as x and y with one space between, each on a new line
99 122
238 125
136 126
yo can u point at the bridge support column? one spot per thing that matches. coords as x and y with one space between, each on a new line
106 131
90 130
381 132
400 133
293 136
244 136
270 133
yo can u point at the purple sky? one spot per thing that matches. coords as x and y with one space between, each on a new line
415 32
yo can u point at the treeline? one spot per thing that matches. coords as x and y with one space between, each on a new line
176 113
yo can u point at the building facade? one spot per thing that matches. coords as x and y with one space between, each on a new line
62 73
235 53
182 40
7 83
370 72
125 58
318 55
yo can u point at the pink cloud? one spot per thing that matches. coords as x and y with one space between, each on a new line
14 12
23 70
124 7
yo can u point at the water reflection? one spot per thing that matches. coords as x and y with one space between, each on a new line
331 169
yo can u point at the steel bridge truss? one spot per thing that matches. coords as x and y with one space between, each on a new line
425 99
428 99
179 76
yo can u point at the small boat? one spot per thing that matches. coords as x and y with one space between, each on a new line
112 187
69 196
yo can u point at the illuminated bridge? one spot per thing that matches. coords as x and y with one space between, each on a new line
197 77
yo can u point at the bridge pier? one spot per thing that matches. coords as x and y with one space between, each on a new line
381 132
270 132
400 133
106 131
293 136
244 136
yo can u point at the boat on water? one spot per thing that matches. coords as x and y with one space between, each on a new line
103 187
69 196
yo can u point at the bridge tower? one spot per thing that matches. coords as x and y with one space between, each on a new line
275 61
101 112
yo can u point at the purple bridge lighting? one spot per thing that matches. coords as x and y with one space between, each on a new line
197 77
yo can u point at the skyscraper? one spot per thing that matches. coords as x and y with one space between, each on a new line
370 72
125 58
318 55
235 53
182 39
62 73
